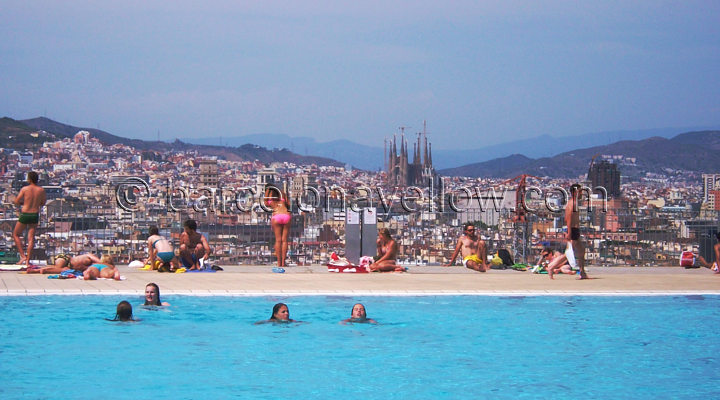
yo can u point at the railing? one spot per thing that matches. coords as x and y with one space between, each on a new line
424 237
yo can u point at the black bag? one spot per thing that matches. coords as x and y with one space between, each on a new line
506 258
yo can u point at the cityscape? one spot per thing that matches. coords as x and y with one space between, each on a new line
103 199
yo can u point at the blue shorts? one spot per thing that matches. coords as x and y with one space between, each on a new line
166 256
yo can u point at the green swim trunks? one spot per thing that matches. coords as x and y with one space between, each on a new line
64 257
29 218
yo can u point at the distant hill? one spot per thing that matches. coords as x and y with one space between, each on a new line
17 135
489 168
247 152
358 155
692 151
371 157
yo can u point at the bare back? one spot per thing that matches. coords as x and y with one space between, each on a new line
32 197
160 244
83 261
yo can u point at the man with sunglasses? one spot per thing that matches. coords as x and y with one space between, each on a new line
474 251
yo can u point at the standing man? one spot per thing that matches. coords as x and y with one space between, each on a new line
474 251
194 248
575 252
31 198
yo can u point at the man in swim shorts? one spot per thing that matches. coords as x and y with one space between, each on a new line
193 246
575 252
474 251
31 198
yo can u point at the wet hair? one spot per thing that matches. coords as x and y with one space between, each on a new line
124 312
353 309
157 297
276 308
32 176
385 232
153 230
191 224
575 188
467 225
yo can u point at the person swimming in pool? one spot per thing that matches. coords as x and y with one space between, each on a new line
123 313
160 248
280 221
358 315
280 314
152 296
104 269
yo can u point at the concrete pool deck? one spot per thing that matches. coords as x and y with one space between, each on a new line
421 280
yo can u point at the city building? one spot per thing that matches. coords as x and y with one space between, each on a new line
710 183
607 175
208 173
402 172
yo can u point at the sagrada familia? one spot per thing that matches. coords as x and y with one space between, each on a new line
400 171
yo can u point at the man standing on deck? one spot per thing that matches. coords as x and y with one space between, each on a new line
31 198
576 249
474 251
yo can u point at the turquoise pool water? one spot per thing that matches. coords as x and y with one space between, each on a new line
471 347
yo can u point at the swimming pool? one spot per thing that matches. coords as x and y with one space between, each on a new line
60 347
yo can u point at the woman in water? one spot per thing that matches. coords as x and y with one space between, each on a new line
359 315
123 313
280 221
104 269
387 249
280 314
152 296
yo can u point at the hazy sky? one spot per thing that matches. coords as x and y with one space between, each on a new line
482 72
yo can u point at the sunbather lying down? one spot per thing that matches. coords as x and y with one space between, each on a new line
104 269
64 262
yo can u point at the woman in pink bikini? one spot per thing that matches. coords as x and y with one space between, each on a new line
280 221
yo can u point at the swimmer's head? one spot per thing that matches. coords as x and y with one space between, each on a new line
280 312
358 312
124 311
152 295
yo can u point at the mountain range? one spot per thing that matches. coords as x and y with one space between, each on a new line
690 151
371 158
19 135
